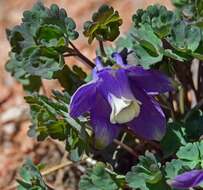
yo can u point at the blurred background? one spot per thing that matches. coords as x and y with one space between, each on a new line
15 145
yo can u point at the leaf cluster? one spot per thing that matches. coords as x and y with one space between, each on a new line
50 118
38 45
189 157
31 178
159 34
190 9
104 25
161 39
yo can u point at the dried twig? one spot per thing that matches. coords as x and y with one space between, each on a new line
126 147
56 167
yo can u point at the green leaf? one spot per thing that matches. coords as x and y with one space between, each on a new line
174 55
50 118
69 79
148 46
42 62
45 112
16 67
31 178
147 172
185 38
125 41
104 25
98 178
198 53
158 17
191 9
51 36
173 139
77 143
180 2
40 41
189 157
44 116
42 26
199 8
190 154
173 168
79 72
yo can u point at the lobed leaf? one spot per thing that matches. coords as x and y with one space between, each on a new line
158 17
191 154
40 41
50 118
98 178
148 46
185 37
174 168
31 178
146 173
190 9
17 69
104 25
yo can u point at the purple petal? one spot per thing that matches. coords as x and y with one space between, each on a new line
98 63
115 82
83 99
109 84
118 58
187 180
99 66
153 82
104 131
150 123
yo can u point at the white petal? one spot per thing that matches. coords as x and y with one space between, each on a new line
123 110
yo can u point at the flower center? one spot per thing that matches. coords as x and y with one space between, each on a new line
123 110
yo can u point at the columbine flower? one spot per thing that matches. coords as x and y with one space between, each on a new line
121 96
187 180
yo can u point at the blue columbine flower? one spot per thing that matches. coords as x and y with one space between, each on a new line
187 180
121 96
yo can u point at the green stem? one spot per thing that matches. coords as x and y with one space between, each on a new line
101 45
81 56
70 54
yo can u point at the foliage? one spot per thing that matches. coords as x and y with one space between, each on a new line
159 39
158 17
145 174
185 37
98 178
189 157
190 9
38 44
50 118
31 178
104 25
